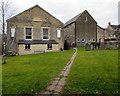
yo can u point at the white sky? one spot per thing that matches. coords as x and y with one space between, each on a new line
119 13
103 11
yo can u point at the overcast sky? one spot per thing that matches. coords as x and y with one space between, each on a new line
119 12
103 11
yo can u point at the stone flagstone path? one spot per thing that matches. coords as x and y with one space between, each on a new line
58 83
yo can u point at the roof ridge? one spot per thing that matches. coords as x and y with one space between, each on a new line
73 19
23 12
32 8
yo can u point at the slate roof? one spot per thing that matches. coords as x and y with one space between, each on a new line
37 42
114 26
75 18
72 20
101 27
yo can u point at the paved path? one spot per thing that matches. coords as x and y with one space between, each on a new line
58 83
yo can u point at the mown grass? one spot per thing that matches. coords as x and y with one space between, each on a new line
94 72
32 73
0 75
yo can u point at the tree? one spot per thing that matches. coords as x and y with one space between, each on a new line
3 31
5 11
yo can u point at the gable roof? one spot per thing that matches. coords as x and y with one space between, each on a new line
100 27
31 9
72 20
75 18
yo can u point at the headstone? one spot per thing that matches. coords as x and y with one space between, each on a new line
102 47
113 45
87 47
107 45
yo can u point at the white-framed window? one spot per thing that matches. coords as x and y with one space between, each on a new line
45 33
58 33
12 31
28 31
27 46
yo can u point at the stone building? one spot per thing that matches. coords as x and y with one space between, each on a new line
100 34
33 31
0 44
110 37
80 30
110 32
117 33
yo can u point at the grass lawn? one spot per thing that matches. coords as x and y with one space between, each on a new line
93 72
0 75
32 73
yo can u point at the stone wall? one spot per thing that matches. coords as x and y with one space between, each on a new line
100 34
37 48
35 18
69 34
86 28
81 31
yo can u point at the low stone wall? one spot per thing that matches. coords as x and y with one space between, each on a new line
37 48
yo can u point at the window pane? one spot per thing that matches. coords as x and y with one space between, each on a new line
28 37
49 46
45 31
45 37
28 31
58 33
27 46
12 32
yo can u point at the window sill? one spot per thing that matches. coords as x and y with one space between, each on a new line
49 49
27 49
45 39
29 39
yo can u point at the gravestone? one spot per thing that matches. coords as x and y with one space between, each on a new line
107 45
113 45
87 47
102 47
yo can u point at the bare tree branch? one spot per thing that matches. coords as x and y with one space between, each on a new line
4 14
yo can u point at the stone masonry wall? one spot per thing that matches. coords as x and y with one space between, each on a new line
36 18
